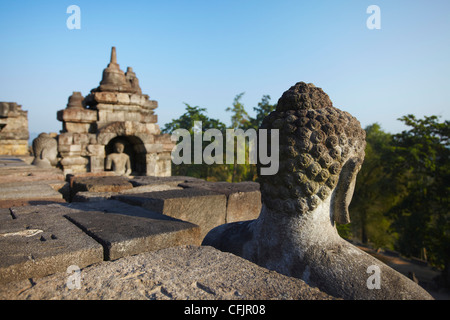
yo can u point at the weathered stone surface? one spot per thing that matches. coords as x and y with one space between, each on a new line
13 169
181 273
13 129
72 160
23 184
77 127
27 193
100 184
135 231
14 147
28 190
204 208
86 196
76 115
243 198
36 241
170 181
119 207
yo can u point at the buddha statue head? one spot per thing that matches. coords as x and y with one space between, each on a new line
45 149
321 152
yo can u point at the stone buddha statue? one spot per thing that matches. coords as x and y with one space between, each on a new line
119 162
321 152
45 149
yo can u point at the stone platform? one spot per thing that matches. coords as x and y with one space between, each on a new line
24 184
132 238
38 240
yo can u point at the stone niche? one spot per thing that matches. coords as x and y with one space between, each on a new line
116 111
13 129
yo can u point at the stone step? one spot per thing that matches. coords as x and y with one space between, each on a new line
125 235
243 198
205 208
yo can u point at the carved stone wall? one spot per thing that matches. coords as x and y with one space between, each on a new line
116 110
13 129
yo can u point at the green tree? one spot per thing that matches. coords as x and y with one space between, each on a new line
239 116
240 119
262 110
421 168
186 121
374 195
192 114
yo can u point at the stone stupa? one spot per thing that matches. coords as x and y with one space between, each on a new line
115 111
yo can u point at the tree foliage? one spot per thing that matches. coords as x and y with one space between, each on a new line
421 168
401 198
187 121
240 119
374 194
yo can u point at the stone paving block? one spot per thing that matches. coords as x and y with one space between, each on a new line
14 169
100 184
86 196
124 235
170 181
202 207
119 207
243 198
28 193
36 241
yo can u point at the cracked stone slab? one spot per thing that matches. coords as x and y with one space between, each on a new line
205 208
36 241
177 273
125 230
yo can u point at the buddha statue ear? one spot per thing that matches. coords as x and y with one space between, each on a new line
343 193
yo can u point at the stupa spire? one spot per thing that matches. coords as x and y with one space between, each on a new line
113 55
113 61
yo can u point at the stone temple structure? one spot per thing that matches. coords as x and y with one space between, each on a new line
114 112
13 129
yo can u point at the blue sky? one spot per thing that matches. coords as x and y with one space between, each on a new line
206 52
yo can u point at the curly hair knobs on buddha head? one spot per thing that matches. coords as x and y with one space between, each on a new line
316 139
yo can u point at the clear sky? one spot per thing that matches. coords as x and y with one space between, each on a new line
206 52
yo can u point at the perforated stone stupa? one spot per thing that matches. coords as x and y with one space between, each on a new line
115 111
